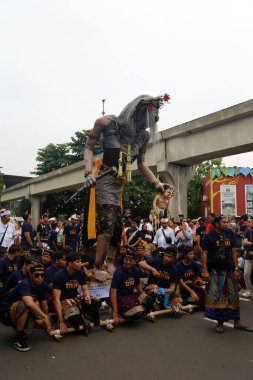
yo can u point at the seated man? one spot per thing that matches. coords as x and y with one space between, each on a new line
180 255
21 304
47 257
125 301
36 253
163 273
59 263
87 257
17 276
65 296
191 283
140 254
10 263
3 251
133 235
139 251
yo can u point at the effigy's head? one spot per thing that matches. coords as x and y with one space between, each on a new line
141 113
167 190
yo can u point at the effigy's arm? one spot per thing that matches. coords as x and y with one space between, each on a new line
91 142
155 200
144 169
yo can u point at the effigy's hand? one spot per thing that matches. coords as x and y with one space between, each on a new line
90 181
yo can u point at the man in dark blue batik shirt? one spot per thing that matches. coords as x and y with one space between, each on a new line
21 303
71 234
125 301
68 307
163 274
59 263
220 267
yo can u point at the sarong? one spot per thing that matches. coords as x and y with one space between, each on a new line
129 306
222 297
109 220
69 308
199 290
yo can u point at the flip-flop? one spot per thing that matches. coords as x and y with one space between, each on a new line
244 328
219 328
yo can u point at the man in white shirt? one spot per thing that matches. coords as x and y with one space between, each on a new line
164 236
7 230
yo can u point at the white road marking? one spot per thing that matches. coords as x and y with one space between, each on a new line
244 299
225 323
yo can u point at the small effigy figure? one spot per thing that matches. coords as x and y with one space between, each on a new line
161 204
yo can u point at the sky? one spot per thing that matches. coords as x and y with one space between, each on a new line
60 58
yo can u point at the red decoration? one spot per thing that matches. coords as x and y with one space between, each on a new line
166 97
150 109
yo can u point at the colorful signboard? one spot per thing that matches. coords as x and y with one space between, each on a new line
228 200
249 199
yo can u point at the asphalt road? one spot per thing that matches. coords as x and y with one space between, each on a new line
187 348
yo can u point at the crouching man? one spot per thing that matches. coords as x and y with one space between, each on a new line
163 273
125 301
192 286
70 308
28 300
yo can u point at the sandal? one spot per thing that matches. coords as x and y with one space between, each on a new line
219 328
244 328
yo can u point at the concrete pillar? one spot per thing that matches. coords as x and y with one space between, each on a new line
35 209
179 176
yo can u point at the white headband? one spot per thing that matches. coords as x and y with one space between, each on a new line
6 212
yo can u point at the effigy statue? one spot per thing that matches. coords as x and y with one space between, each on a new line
161 205
125 139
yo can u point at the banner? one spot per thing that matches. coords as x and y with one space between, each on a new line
228 200
249 199
100 291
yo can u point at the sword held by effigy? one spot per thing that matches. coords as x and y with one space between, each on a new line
109 171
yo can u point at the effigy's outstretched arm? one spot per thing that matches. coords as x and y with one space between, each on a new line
92 140
144 169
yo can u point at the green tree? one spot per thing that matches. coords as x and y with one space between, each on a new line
55 203
195 186
21 207
138 195
58 156
78 142
53 157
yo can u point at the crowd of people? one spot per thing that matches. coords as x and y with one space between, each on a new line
49 270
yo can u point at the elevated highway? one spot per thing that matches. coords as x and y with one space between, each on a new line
173 153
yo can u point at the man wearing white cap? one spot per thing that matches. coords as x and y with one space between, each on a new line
165 235
7 230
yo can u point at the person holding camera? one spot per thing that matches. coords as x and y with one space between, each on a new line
183 235
220 268
164 236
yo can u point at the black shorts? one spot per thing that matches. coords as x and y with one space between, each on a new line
5 318
12 314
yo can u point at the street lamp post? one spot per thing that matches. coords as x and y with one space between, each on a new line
103 101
